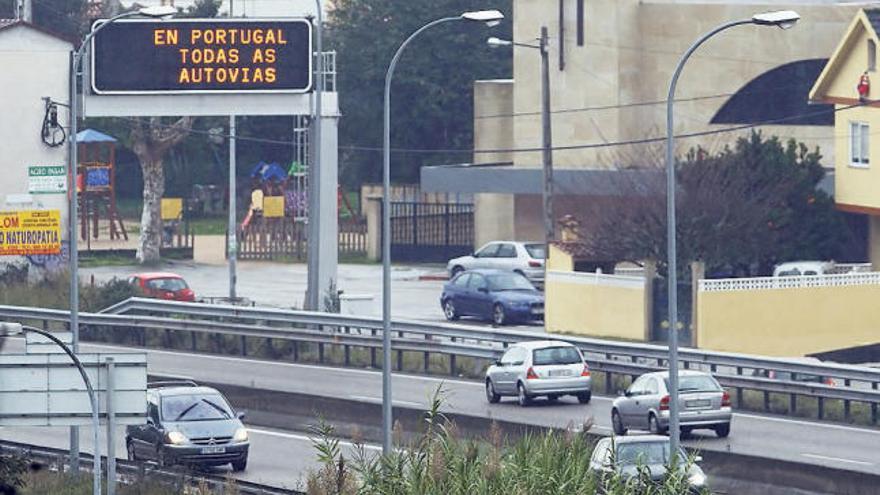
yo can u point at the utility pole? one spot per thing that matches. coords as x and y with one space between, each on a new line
547 144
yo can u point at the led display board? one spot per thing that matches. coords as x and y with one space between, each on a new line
202 56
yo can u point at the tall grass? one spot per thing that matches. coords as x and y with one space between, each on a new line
441 462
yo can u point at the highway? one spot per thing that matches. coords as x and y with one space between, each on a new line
281 458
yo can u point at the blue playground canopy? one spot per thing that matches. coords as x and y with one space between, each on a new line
93 136
268 171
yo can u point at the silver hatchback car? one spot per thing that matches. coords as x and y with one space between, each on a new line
703 404
540 368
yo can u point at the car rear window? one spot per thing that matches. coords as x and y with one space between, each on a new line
537 251
696 383
169 284
556 355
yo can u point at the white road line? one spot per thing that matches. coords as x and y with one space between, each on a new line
812 424
836 459
291 365
305 438
366 398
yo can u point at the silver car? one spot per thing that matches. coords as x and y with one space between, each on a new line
540 368
703 404
526 258
630 456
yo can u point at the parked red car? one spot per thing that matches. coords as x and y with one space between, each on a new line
168 286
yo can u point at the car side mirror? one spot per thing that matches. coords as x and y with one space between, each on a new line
518 363
484 290
241 415
622 393
498 363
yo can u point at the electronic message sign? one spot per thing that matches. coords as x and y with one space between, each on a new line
202 56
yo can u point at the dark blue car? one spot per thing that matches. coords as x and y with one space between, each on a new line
499 296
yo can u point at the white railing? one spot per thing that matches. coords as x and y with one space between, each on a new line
851 268
598 278
328 68
796 282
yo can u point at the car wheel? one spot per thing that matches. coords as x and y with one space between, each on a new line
617 424
584 397
129 447
456 270
449 310
524 398
491 395
498 315
654 425
239 466
723 430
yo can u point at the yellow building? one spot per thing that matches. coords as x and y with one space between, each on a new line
847 82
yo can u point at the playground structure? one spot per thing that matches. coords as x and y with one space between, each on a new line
95 183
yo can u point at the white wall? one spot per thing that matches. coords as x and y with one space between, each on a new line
34 65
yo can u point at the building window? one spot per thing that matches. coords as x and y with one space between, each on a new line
859 146
872 56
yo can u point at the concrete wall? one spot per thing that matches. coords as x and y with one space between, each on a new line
596 305
751 316
34 65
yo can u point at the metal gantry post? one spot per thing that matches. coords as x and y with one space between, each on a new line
73 256
111 426
313 291
232 240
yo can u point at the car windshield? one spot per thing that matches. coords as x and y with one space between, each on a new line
195 407
169 284
556 355
537 251
696 383
509 281
643 453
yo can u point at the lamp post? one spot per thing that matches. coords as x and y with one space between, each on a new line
783 19
546 133
490 18
73 81
313 291
7 329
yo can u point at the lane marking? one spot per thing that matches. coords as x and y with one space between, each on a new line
289 365
306 438
367 398
837 459
808 423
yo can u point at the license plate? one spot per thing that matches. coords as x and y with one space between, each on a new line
559 373
213 450
697 403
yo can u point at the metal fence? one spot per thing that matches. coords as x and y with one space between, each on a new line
283 239
134 317
431 231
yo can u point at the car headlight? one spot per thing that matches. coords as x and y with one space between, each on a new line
176 438
697 479
241 435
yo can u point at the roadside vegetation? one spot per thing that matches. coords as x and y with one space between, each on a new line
53 292
442 462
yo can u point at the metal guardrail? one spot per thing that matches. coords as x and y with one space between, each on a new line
131 471
850 384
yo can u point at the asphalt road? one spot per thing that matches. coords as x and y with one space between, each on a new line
795 440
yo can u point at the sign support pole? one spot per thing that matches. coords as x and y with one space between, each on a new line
111 427
233 227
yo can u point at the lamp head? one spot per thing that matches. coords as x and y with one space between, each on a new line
489 17
498 42
784 19
8 328
158 11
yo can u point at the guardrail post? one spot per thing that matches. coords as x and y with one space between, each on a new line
874 406
453 366
295 351
792 404
821 408
766 401
193 341
347 350
321 352
846 403
243 345
739 391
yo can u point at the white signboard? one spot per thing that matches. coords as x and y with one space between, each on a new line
47 180
48 390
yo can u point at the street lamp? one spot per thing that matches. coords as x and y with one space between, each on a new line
156 11
783 19
490 18
546 133
7 329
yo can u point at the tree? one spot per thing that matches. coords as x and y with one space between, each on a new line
740 211
150 141
432 103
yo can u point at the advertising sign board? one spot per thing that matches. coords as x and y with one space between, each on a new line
30 232
47 179
136 56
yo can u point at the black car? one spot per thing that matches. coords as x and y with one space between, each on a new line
191 425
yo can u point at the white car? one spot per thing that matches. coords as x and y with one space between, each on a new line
525 258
